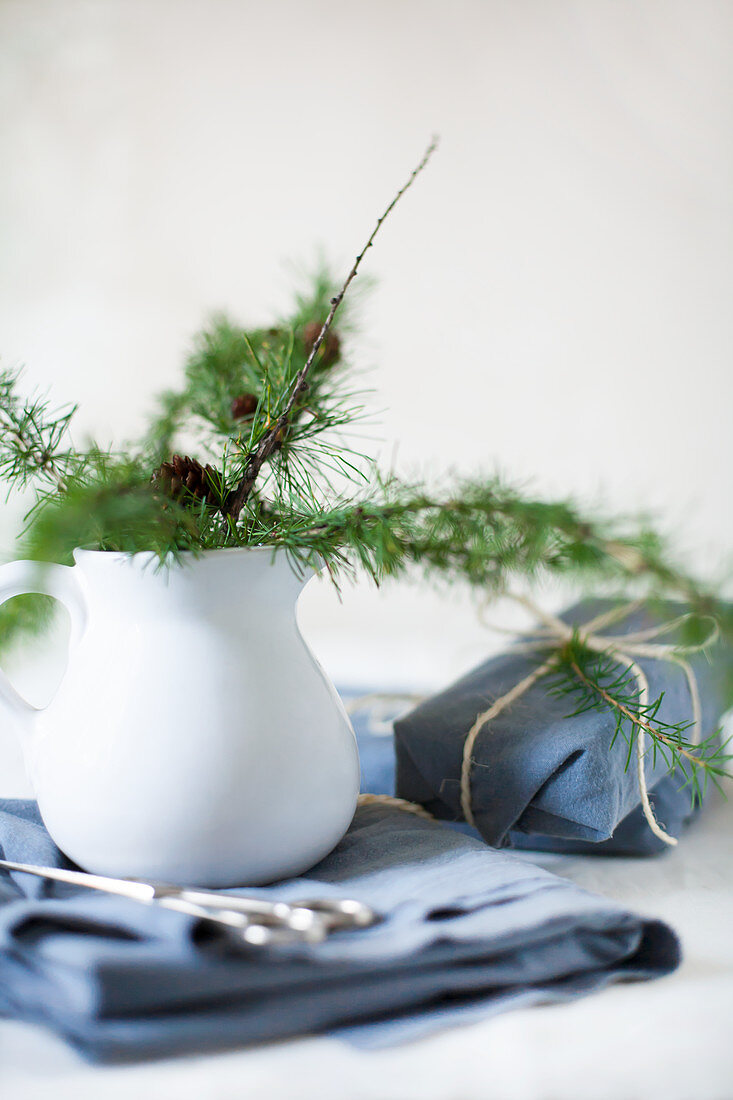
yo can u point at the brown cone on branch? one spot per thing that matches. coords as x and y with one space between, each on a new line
243 406
183 474
330 350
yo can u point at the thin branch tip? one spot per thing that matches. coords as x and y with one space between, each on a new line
271 438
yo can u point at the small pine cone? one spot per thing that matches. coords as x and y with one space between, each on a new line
183 473
243 406
330 350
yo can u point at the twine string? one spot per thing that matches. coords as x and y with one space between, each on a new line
483 719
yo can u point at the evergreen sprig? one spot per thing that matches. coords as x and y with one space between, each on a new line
596 681
34 439
230 362
271 409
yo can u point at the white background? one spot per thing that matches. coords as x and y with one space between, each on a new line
553 299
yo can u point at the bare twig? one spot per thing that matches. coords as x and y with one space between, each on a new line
272 438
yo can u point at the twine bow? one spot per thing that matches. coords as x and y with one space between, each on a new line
625 649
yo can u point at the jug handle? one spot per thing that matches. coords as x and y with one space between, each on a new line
19 578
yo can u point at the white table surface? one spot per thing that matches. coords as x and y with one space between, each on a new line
666 1039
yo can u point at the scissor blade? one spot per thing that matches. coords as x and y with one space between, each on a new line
138 891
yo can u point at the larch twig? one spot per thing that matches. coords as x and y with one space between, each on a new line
273 436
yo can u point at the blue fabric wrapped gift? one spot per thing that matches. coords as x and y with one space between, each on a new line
466 931
544 778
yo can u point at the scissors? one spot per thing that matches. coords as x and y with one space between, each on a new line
256 921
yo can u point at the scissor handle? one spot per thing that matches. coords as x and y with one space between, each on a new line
338 914
342 913
270 914
258 932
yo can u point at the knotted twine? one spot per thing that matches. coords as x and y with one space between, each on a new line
555 635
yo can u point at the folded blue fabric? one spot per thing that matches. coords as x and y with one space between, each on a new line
631 837
466 930
542 777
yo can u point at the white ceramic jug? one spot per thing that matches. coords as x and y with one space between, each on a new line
194 738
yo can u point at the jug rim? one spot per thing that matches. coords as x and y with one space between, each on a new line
98 562
81 552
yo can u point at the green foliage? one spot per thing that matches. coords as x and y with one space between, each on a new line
317 497
120 511
482 531
324 502
33 438
595 681
228 361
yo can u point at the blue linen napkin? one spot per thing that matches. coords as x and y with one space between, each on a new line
466 930
542 777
